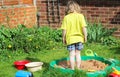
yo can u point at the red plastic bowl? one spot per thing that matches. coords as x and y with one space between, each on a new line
20 65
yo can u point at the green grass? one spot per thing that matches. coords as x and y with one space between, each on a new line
46 56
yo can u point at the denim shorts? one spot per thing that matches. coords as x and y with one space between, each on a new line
75 46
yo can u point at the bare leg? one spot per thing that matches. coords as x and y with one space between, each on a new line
78 58
72 59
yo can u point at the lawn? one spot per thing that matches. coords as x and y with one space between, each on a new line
45 44
46 56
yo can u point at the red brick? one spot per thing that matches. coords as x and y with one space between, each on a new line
27 1
1 15
94 9
16 9
0 3
10 2
18 16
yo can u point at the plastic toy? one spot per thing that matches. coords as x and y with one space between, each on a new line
115 73
89 52
20 64
22 73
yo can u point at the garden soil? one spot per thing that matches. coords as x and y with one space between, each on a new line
87 65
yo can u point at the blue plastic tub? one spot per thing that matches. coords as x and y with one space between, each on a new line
22 73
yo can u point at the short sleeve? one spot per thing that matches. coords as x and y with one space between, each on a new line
64 23
83 22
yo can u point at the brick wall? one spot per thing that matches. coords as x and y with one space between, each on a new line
105 11
15 2
50 18
14 12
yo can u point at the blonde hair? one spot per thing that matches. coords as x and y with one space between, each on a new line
72 6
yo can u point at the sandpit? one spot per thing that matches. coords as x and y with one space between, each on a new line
88 65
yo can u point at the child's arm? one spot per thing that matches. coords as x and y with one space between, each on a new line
85 34
64 36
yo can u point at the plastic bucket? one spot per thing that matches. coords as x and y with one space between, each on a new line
20 64
23 74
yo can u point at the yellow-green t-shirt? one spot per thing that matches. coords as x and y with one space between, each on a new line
73 24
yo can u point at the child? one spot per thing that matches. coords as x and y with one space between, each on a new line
74 32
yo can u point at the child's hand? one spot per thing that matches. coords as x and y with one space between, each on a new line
64 41
85 39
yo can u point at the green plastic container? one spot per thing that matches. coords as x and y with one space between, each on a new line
89 74
117 68
115 61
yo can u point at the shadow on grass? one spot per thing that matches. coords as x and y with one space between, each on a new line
59 73
116 49
32 59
